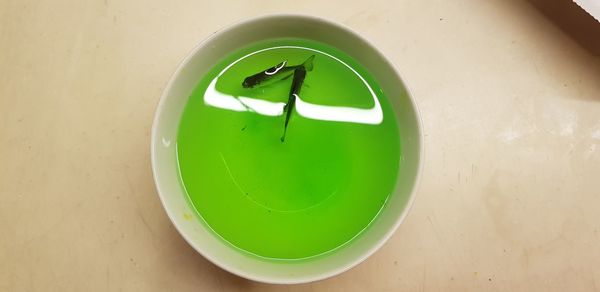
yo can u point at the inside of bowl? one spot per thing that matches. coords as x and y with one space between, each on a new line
165 136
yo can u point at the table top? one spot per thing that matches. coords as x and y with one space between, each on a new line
510 196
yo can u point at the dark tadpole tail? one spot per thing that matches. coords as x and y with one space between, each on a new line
288 113
299 75
308 64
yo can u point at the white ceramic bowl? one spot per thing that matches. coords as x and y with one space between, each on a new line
164 136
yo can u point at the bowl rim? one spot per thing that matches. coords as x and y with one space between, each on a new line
256 276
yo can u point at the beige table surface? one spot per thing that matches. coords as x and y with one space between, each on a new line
510 197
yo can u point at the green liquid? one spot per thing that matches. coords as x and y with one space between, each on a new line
300 198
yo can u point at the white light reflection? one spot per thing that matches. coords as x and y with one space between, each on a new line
277 68
215 98
308 110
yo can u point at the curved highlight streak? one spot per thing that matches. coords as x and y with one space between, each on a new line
373 116
263 107
276 69
308 110
217 99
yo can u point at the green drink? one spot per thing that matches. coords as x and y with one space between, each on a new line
307 195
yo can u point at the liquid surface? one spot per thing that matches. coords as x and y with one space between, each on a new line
310 194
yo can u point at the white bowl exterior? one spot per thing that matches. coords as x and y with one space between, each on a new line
164 136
